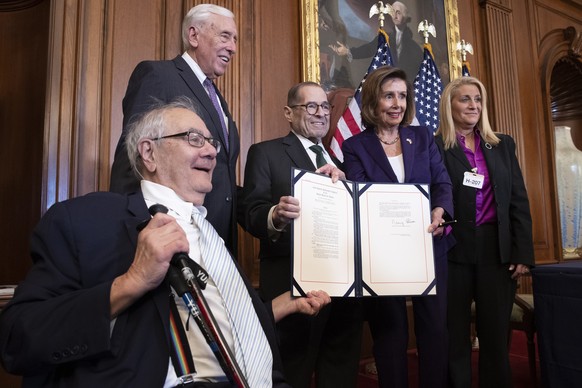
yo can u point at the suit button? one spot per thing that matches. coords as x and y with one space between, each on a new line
67 353
228 199
75 350
57 356
84 349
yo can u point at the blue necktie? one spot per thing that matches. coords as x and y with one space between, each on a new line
251 348
214 98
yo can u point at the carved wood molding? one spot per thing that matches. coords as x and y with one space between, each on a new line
18 5
575 39
554 46
503 70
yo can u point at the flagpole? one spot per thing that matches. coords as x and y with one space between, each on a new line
427 84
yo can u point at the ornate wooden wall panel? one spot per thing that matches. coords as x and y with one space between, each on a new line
503 71
24 29
533 146
135 32
271 66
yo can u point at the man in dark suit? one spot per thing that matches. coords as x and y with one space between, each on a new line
94 310
328 344
209 37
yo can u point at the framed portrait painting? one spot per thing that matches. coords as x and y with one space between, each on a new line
339 39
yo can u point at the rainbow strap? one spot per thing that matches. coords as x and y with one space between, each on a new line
179 349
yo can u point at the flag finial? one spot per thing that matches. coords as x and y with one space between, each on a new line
380 9
424 27
464 48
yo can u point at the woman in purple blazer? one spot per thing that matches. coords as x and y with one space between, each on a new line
389 150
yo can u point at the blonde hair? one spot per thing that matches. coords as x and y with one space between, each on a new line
447 125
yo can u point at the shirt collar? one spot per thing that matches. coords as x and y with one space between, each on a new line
156 193
195 68
308 143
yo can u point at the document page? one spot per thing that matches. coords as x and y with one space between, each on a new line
323 243
397 252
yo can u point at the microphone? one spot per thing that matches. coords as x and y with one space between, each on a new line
180 259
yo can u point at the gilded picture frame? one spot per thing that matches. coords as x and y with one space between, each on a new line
310 39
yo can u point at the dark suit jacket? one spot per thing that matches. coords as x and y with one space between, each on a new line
56 330
365 161
268 178
513 215
166 80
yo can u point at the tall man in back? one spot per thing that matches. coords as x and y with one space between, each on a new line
328 344
209 36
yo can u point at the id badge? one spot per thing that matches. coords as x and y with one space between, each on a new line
472 179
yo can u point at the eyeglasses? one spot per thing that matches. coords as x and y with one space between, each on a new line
312 107
195 139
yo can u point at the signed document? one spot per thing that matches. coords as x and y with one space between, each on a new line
361 239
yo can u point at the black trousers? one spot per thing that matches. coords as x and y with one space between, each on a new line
388 320
327 345
489 283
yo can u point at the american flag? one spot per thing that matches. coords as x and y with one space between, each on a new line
351 122
465 69
427 91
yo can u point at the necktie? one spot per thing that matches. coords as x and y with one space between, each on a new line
319 158
214 98
251 347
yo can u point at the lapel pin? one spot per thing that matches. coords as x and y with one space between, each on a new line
409 141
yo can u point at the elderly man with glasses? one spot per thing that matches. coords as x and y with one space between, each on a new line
328 344
97 308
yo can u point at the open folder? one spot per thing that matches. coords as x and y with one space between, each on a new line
361 239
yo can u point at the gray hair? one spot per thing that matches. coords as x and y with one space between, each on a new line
151 125
198 17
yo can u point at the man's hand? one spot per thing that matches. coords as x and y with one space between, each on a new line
286 210
339 48
518 270
311 304
156 245
332 171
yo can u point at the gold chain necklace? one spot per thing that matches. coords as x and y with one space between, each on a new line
389 142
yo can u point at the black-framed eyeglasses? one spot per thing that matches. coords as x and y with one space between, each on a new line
312 107
195 139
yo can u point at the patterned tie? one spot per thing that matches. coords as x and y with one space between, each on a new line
214 98
319 159
251 348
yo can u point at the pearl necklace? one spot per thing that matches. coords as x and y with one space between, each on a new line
389 142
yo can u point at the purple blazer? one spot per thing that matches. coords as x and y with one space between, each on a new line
365 161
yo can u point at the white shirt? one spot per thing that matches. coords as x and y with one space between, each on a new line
202 77
206 364
397 164
306 143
